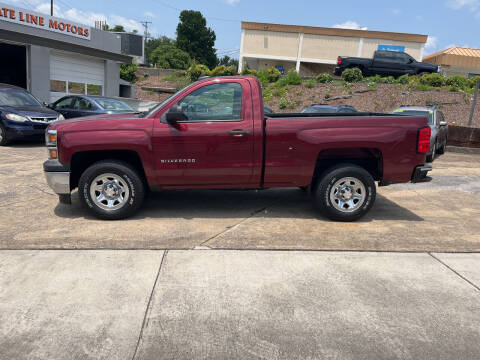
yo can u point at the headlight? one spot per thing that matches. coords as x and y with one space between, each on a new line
51 138
60 117
15 117
51 141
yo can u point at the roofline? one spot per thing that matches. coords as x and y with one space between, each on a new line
64 46
370 34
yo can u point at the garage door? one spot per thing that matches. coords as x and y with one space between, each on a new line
75 74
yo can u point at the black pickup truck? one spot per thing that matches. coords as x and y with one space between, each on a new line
386 63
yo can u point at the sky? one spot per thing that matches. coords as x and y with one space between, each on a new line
446 22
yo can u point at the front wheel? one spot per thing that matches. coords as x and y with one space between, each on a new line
111 190
3 136
345 193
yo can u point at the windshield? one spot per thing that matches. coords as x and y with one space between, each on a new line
17 97
318 109
114 105
426 113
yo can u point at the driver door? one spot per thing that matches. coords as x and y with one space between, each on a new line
214 142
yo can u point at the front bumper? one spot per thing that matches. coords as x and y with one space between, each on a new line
420 174
21 130
58 176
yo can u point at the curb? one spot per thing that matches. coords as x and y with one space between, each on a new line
463 150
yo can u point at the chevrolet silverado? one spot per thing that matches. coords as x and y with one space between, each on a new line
214 134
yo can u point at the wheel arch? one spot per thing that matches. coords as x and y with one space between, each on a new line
82 160
369 159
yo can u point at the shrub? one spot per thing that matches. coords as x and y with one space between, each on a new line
273 75
128 72
280 92
262 77
283 104
472 83
170 57
377 79
372 85
388 80
283 82
223 70
324 78
293 78
327 95
404 79
267 93
435 80
310 84
197 70
458 82
352 75
249 72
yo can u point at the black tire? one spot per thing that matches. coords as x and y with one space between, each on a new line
442 150
4 140
324 190
132 183
431 157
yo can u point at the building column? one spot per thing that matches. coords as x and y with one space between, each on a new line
240 59
360 48
299 53
38 72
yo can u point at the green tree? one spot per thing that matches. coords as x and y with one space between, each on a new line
153 43
128 72
194 37
116 28
228 61
170 57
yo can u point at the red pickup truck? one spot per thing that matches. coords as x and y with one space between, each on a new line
214 134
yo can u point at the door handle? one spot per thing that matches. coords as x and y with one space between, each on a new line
238 132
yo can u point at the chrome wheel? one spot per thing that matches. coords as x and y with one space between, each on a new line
1 134
347 194
109 192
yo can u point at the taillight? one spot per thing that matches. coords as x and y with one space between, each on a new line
339 61
423 143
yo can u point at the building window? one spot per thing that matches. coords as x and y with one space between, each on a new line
94 89
58 86
76 88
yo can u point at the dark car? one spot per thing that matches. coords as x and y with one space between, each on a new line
22 115
328 109
386 63
436 121
267 110
74 106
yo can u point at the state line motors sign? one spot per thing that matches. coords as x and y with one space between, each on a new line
41 21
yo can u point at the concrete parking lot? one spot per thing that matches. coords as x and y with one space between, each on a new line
221 304
442 216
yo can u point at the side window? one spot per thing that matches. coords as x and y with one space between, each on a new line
65 103
440 117
403 58
217 102
83 104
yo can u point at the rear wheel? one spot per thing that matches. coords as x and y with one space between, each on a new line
111 190
345 193
3 136
431 157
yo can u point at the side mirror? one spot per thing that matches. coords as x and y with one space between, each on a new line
174 115
443 123
411 61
